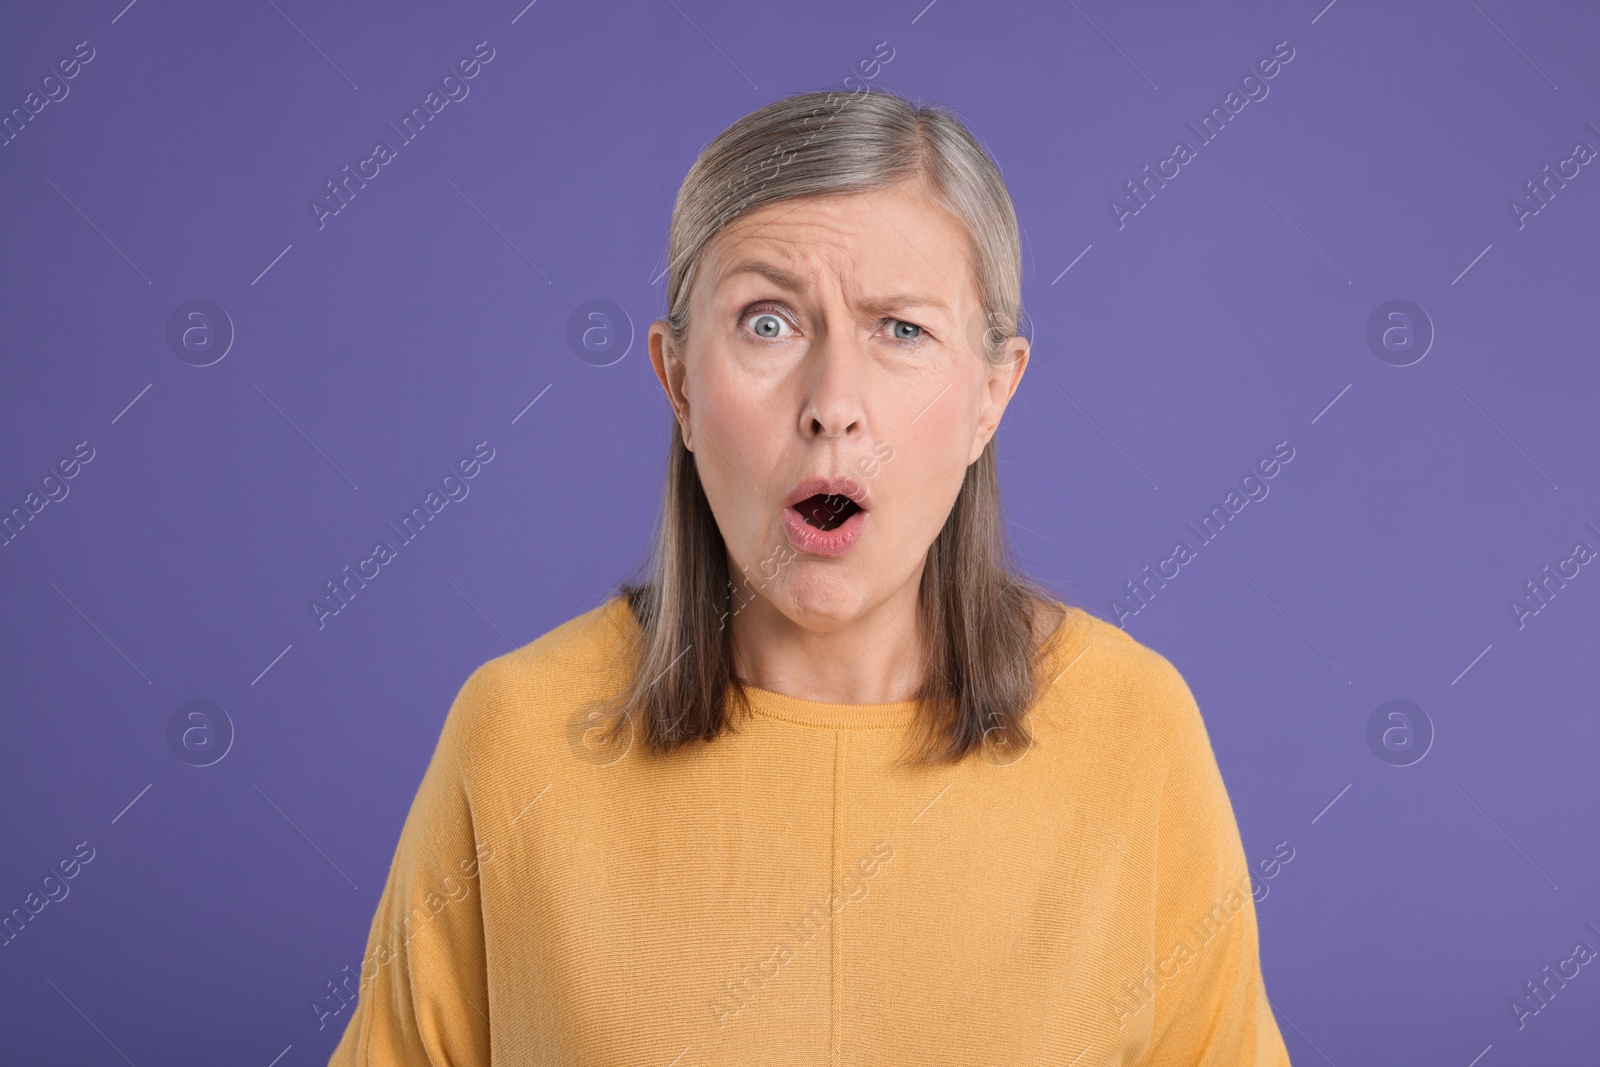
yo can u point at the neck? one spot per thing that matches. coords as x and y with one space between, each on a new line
850 651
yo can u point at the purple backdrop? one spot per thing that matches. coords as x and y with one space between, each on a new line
1380 259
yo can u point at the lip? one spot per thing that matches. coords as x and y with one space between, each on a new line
834 542
840 539
839 486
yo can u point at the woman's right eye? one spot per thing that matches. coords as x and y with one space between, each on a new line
767 325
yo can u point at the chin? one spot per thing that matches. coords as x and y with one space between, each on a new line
823 600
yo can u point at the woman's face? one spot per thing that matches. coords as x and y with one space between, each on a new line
835 338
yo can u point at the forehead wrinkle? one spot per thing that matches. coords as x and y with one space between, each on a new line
875 305
777 275
784 268
887 222
768 232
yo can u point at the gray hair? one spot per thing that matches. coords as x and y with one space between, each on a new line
827 143
978 612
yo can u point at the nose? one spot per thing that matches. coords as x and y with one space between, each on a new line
834 406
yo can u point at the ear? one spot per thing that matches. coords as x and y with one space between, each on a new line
668 364
1003 379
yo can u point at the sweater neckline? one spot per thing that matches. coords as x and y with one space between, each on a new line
1064 642
802 712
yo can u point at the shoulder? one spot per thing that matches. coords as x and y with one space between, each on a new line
583 646
519 697
1109 682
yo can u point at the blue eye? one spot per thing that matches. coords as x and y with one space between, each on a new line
899 336
766 325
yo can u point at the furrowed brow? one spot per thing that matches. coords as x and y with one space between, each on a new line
776 275
877 305
882 305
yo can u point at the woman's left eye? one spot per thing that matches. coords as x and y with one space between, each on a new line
901 328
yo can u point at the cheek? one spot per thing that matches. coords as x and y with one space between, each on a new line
737 438
924 476
742 425
733 410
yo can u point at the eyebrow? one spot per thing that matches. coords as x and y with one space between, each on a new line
795 283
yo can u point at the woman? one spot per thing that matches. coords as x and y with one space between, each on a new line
834 784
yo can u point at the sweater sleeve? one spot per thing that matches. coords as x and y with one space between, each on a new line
1211 1009
423 997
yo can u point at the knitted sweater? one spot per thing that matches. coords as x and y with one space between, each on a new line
786 895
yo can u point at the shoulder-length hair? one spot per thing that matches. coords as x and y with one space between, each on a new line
978 612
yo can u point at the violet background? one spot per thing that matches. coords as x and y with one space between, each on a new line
1228 315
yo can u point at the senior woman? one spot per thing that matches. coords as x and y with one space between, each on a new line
833 783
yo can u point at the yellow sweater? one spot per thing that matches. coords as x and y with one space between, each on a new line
785 895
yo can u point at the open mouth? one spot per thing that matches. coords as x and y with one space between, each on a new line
825 511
